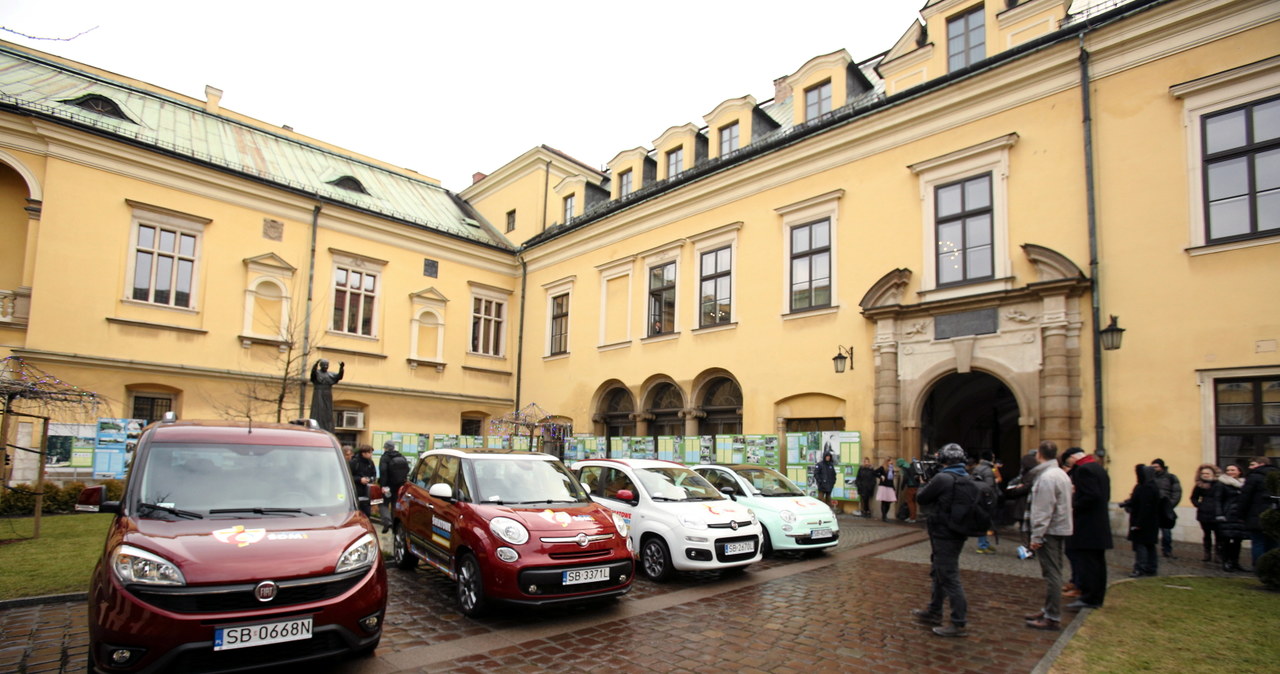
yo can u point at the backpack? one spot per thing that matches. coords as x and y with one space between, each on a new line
1168 516
397 471
972 506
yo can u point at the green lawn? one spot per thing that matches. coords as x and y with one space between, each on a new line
58 562
1179 624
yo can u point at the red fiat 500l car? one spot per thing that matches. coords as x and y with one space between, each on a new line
233 547
510 526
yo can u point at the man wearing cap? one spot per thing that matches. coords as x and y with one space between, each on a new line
1090 526
935 497
1171 489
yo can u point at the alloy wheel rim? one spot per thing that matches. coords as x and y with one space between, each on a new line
466 585
652 559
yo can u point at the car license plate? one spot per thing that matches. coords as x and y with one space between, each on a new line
739 548
244 636
592 575
820 533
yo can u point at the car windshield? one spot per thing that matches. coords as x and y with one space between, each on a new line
524 481
770 482
184 481
677 483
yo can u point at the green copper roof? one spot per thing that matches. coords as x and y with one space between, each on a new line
48 89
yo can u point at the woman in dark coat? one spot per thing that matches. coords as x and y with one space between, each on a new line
1231 531
1144 521
1204 496
866 481
825 475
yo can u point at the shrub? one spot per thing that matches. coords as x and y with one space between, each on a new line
62 500
1269 569
115 489
19 499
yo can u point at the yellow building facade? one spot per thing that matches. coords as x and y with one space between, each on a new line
952 221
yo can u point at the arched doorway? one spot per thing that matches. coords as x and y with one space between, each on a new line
618 415
976 410
665 407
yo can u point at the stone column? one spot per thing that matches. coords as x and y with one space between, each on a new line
887 422
1055 380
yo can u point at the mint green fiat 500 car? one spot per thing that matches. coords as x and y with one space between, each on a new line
791 520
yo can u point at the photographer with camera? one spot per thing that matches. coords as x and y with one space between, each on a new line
947 499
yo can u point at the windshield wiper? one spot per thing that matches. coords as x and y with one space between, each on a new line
544 500
787 493
172 511
259 511
702 498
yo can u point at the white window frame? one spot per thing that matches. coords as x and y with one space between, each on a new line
364 265
989 157
667 254
625 180
822 100
821 207
735 134
159 217
554 290
569 203
609 272
498 296
1206 96
720 237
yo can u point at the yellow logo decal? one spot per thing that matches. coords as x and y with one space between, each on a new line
561 518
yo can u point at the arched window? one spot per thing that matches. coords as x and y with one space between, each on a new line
618 409
722 404
350 184
100 105
667 404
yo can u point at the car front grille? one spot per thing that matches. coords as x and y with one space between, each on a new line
319 645
580 554
548 581
740 557
240 597
727 525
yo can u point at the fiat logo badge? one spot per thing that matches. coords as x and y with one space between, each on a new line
266 590
733 524
582 540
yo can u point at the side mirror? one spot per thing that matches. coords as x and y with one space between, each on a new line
375 494
729 491
626 495
441 490
93 499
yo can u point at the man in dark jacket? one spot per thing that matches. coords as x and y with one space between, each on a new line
363 474
866 481
935 497
1091 527
1170 488
825 475
1254 500
393 470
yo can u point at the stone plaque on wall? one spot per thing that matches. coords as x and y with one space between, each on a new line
977 322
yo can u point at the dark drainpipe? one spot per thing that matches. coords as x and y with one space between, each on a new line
1095 286
524 283
306 317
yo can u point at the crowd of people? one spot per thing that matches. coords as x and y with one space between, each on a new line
390 473
1060 502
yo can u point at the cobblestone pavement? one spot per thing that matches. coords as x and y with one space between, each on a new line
840 610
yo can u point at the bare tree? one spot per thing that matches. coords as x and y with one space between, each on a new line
274 379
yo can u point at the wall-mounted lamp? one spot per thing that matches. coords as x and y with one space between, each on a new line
1111 335
842 358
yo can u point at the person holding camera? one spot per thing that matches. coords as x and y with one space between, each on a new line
937 497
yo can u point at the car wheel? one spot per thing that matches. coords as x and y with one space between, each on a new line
400 553
655 559
470 587
766 545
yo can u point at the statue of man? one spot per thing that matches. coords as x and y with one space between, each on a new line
322 394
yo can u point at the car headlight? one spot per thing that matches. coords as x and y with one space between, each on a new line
621 523
693 522
787 516
359 554
509 530
752 513
132 565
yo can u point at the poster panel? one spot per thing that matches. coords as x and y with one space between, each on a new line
114 442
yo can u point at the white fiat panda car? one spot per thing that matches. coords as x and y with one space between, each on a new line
678 521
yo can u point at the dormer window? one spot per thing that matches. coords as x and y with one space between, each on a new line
349 184
100 105
966 39
817 101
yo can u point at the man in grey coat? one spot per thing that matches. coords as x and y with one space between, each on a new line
1050 514
1171 489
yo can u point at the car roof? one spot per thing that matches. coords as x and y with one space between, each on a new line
484 453
238 433
636 463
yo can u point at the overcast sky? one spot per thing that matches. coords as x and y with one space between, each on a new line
449 89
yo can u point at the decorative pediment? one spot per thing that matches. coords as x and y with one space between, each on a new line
429 296
1050 264
269 263
887 291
